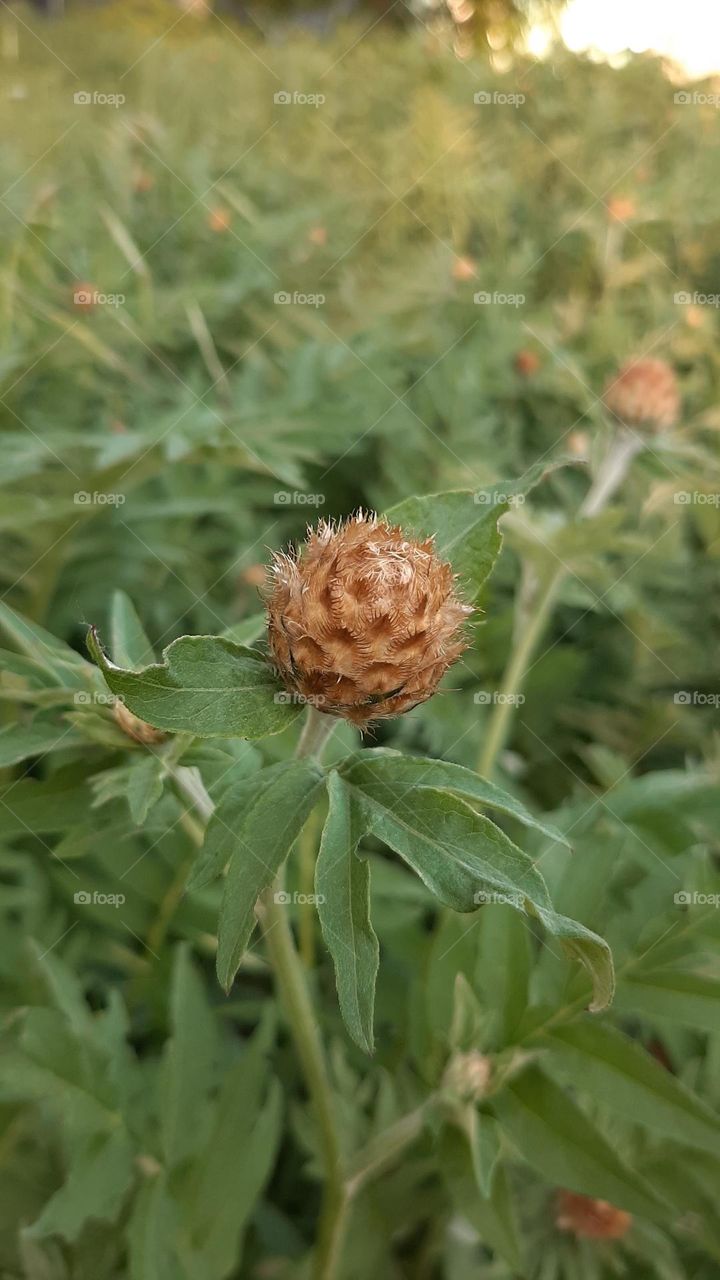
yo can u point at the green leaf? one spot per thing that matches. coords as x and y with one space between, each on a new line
617 1071
270 827
248 630
95 1187
686 998
559 1140
28 807
54 655
205 686
466 861
465 524
22 742
493 1217
342 884
418 771
188 1065
130 645
144 787
230 813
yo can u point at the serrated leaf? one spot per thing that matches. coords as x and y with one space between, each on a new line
441 775
231 811
130 645
614 1069
206 686
342 884
466 861
465 523
94 1190
269 830
561 1142
144 787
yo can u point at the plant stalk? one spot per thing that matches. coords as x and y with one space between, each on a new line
536 599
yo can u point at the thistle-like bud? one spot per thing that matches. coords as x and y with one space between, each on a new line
644 393
136 728
590 1219
363 620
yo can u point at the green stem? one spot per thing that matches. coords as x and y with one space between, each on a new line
536 598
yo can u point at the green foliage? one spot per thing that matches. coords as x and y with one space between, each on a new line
452 928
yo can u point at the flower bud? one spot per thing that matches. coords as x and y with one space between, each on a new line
363 621
136 728
467 1076
590 1219
644 393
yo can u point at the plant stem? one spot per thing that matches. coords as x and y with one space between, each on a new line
536 599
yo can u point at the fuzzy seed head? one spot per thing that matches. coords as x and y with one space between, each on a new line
590 1219
364 621
644 393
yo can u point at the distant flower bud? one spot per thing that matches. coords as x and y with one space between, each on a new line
590 1219
644 393
364 621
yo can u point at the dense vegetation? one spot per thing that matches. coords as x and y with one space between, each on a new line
225 314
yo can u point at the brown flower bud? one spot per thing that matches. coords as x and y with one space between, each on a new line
644 393
136 728
590 1219
364 621
526 363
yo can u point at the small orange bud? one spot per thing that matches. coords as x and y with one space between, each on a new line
364 621
136 728
219 219
142 181
578 443
318 235
621 209
526 363
464 269
644 393
590 1219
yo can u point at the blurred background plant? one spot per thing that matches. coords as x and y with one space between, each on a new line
249 280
